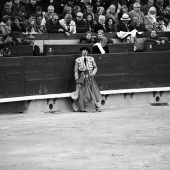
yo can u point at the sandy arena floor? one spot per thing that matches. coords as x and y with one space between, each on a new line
117 139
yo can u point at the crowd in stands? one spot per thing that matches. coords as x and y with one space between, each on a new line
83 16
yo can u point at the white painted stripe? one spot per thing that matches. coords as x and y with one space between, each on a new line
63 95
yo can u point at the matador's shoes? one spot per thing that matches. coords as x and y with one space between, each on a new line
97 109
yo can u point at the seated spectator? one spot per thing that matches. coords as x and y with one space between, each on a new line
68 24
49 14
154 38
89 10
136 12
123 10
90 22
80 4
30 25
70 3
66 10
36 48
76 9
160 7
101 24
100 47
137 25
18 39
110 25
53 25
30 7
123 25
96 4
17 25
81 26
5 25
8 10
19 10
131 7
161 24
100 34
150 19
145 8
166 15
111 13
87 39
40 24
100 11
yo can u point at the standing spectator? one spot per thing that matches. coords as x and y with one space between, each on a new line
136 12
146 7
8 10
53 25
84 71
68 24
101 46
81 26
110 25
5 25
19 10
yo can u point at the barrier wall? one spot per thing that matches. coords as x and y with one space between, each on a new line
55 74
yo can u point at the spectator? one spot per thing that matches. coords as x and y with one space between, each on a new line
89 10
31 7
123 25
70 3
8 10
53 25
68 24
40 23
30 25
87 38
67 10
137 25
136 12
154 38
150 19
5 25
8 39
76 9
81 26
123 10
100 11
19 10
49 14
90 22
111 13
81 4
110 25
131 7
146 7
96 4
59 6
36 48
160 7
161 24
101 24
17 25
84 71
101 46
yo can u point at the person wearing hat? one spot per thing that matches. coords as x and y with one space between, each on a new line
123 24
87 90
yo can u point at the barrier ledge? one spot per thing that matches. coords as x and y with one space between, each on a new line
63 95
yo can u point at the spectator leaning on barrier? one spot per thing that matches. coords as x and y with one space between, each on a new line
68 24
87 90
87 38
101 46
81 25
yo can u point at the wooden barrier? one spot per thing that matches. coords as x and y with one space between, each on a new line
55 74
151 46
75 49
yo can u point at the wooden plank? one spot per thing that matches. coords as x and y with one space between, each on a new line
151 46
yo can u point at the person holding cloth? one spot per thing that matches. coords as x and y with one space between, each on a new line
86 87
101 46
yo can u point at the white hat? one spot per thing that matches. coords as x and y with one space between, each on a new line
125 16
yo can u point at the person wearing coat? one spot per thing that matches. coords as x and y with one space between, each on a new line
87 90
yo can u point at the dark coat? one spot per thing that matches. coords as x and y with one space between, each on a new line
122 27
51 28
81 27
95 49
